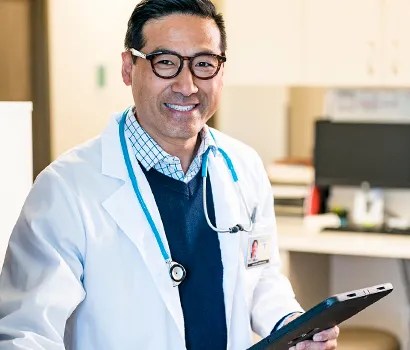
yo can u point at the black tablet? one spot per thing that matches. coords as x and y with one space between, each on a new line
330 312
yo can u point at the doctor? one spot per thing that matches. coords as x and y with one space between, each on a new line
138 239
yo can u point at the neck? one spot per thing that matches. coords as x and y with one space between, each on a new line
185 150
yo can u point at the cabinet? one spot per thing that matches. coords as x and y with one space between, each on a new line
396 43
318 42
356 43
264 42
16 163
342 42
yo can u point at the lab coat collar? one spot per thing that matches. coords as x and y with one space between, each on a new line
112 159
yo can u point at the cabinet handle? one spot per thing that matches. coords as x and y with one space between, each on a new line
371 53
370 69
395 50
395 69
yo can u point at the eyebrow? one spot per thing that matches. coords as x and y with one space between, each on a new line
163 49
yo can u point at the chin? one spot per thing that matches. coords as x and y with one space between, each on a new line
186 131
184 134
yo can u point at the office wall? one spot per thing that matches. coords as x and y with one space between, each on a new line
85 39
258 116
305 105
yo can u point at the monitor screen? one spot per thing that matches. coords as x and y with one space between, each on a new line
351 153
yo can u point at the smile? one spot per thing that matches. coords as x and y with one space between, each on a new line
180 108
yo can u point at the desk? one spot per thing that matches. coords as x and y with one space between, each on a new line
294 237
321 264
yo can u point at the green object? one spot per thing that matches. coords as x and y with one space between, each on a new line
101 76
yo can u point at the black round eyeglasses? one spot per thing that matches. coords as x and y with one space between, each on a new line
167 65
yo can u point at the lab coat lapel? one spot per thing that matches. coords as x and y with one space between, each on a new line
124 208
227 214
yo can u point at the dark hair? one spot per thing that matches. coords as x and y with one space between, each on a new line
153 9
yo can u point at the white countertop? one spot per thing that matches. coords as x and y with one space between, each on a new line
294 237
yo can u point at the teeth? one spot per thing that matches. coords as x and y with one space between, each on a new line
180 108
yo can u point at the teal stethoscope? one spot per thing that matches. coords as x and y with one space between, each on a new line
176 271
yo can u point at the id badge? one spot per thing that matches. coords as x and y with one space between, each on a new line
259 250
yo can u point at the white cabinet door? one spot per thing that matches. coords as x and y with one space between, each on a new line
396 53
264 42
16 156
342 42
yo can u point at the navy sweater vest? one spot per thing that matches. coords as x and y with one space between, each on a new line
196 246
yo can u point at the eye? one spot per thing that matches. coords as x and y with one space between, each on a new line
165 62
204 64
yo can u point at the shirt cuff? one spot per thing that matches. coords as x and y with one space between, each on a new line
282 321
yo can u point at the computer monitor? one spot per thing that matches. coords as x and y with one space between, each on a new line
353 153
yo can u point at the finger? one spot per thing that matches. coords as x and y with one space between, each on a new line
311 345
328 334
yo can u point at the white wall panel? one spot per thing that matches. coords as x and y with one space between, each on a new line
16 172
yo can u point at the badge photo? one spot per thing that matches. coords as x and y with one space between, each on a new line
259 249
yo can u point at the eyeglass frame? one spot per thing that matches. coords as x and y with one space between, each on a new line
221 59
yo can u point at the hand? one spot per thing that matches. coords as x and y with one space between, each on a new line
325 340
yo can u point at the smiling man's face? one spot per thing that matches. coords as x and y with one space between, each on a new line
177 108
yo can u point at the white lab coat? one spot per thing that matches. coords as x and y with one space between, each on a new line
83 250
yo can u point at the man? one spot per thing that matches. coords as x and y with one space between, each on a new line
116 246
254 250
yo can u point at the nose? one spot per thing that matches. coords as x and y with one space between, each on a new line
184 82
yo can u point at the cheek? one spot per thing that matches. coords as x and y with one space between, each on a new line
213 91
150 91
218 85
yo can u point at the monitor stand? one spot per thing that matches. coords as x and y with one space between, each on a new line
368 207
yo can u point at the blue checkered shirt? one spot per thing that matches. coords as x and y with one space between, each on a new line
151 155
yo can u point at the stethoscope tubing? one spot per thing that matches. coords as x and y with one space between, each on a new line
235 179
174 267
137 190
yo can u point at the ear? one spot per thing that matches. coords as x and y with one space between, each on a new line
126 69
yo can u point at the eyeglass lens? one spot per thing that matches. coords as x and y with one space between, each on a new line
202 66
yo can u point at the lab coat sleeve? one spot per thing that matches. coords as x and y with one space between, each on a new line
40 284
273 297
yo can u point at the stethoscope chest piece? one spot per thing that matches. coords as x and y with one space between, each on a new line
177 273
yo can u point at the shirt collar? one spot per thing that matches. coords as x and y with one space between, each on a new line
148 152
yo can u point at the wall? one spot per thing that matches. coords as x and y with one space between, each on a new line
305 106
83 37
256 115
15 50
